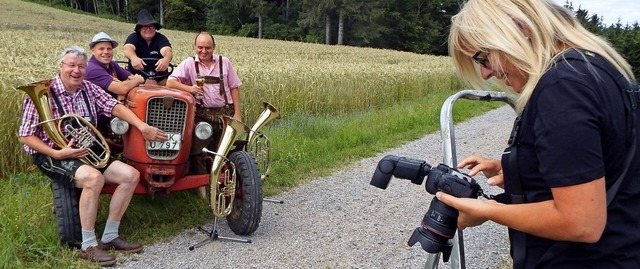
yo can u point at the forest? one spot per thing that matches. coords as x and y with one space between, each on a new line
418 26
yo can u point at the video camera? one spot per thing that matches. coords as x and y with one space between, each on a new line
440 223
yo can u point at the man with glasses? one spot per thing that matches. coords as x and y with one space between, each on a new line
149 52
71 93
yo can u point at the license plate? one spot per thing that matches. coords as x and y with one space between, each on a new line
174 142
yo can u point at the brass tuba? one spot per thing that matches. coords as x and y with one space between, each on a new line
258 144
69 126
223 187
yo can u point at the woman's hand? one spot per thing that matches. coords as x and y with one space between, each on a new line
471 211
492 169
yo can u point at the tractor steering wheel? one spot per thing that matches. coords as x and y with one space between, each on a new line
150 72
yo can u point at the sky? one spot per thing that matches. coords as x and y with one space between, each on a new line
628 11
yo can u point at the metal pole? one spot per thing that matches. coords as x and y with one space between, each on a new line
447 134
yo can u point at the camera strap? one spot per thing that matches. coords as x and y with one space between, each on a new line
516 193
631 97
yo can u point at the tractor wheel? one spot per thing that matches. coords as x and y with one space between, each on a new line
247 206
65 201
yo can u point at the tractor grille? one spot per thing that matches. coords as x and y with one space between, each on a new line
170 119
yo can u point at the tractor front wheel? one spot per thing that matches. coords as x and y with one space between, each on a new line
247 206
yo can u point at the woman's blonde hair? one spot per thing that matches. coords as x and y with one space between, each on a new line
527 33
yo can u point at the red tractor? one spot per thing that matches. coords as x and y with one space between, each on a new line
235 180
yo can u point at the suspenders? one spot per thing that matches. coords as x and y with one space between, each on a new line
86 101
211 80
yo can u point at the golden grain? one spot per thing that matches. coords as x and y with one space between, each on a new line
296 77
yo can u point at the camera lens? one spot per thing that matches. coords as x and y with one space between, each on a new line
438 226
441 219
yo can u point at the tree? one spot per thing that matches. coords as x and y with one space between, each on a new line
419 26
313 11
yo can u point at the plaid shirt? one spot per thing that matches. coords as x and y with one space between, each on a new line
99 103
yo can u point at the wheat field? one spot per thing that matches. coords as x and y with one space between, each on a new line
298 78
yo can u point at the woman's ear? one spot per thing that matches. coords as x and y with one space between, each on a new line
524 28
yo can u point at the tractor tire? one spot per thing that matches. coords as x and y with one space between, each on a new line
247 206
65 200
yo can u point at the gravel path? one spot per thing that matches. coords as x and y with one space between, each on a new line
340 221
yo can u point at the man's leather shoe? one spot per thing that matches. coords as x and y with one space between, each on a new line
122 246
97 255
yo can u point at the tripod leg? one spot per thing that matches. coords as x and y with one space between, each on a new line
432 261
273 201
213 236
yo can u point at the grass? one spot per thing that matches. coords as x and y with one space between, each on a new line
338 105
314 146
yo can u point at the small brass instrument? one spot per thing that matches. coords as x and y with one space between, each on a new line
223 187
259 144
70 126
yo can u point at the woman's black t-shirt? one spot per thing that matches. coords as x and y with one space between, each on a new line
573 131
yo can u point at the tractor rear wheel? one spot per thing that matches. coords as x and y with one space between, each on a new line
65 201
247 206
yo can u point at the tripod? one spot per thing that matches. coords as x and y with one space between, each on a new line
213 236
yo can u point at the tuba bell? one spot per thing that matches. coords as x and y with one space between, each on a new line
258 143
70 126
223 186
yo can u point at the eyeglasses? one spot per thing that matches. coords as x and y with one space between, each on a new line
73 66
484 62
148 27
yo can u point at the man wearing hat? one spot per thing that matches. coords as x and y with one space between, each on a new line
106 73
146 43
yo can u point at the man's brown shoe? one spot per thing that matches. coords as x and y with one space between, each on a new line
97 255
122 246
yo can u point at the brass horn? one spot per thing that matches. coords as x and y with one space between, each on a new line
258 143
69 126
223 187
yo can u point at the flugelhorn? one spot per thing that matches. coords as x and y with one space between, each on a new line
70 126
258 143
223 187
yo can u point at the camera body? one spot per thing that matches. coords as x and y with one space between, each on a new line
440 223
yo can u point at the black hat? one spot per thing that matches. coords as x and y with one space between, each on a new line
145 18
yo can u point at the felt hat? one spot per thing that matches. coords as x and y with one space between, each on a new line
145 18
102 37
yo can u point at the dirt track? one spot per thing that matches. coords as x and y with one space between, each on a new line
341 221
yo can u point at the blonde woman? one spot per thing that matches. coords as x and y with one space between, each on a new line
574 137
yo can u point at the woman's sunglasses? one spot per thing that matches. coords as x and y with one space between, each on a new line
484 62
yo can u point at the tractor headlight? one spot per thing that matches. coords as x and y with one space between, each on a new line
203 130
119 126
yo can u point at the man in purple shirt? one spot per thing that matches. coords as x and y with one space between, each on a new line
70 93
212 101
104 72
